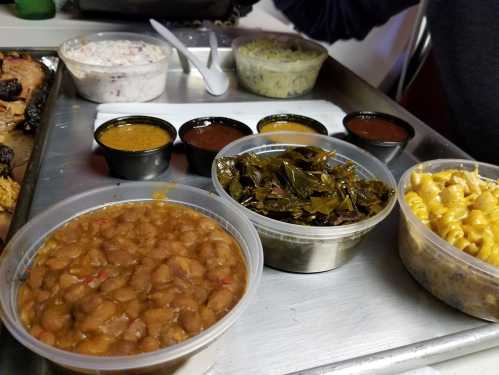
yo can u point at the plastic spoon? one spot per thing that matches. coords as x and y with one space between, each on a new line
216 81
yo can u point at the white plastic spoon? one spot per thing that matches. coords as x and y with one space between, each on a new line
216 81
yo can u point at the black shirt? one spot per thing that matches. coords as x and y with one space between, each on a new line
465 41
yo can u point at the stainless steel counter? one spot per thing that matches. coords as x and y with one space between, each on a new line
297 322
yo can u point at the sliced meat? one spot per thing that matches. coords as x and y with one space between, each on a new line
29 72
32 76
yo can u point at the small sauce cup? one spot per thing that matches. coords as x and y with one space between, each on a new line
203 137
290 122
383 135
137 165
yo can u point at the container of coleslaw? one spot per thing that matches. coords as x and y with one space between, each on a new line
117 66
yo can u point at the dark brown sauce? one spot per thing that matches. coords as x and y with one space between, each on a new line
213 136
377 129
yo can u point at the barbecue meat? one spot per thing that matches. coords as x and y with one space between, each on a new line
29 72
21 108
10 89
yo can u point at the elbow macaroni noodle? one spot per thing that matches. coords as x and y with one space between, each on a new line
460 207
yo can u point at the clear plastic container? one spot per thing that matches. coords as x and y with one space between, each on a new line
299 248
22 248
117 83
457 278
274 77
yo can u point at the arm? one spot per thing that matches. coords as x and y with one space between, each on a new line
330 20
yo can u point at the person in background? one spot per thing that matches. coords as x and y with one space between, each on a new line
465 42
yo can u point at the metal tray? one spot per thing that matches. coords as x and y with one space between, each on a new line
28 185
366 317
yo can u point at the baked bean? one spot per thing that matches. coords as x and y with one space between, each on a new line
68 236
57 264
146 230
72 251
66 280
134 308
108 232
218 273
200 294
178 248
115 326
206 251
90 303
27 313
154 329
99 315
149 263
36 276
124 347
124 294
191 321
161 275
75 293
141 279
163 297
179 265
149 344
135 331
120 258
41 296
173 335
96 345
47 337
55 317
36 330
113 283
206 225
123 229
225 253
131 278
25 295
184 302
208 316
160 251
188 238
160 315
220 301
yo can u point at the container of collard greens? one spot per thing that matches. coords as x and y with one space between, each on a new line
277 65
311 197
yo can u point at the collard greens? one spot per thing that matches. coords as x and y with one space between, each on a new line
300 186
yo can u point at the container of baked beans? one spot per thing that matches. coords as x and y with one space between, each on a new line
143 277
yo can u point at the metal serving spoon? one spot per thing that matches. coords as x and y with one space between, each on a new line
216 81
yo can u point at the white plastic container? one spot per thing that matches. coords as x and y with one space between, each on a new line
21 250
455 277
277 77
117 83
300 248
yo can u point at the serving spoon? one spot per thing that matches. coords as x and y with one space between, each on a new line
215 80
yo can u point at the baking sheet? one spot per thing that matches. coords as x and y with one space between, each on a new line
51 61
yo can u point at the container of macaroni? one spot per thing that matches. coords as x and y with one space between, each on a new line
449 232
117 66
278 65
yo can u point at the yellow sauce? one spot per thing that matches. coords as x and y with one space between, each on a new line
134 137
283 126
